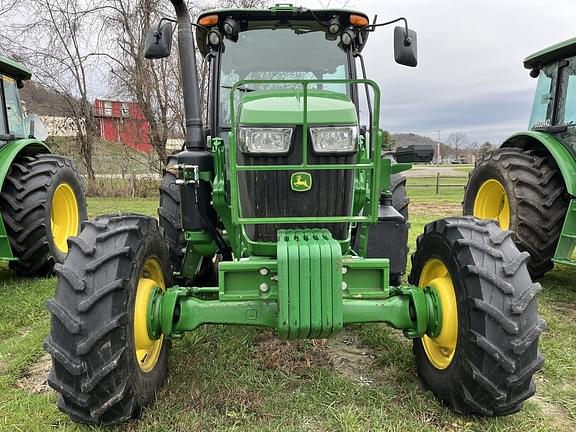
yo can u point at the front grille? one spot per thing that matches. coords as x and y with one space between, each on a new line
267 194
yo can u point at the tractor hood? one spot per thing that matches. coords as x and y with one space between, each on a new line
286 107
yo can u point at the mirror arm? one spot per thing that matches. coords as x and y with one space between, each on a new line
407 39
158 34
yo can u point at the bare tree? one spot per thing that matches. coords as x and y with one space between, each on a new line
6 6
457 141
154 85
58 39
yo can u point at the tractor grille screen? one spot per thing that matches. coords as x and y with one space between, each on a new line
267 194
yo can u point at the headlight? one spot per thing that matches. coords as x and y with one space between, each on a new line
339 139
264 140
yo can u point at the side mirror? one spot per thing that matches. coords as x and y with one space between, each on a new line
158 42
405 47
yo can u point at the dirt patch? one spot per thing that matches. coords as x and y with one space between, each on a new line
34 378
429 208
291 356
342 353
351 359
558 415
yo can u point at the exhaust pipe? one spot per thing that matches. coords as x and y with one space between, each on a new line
187 53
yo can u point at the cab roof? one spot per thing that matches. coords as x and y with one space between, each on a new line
248 18
14 69
551 54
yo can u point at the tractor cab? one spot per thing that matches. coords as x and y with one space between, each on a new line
281 45
554 107
14 122
12 76
277 45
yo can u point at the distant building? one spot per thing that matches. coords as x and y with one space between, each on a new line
60 126
123 122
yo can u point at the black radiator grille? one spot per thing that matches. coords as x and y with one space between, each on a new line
267 194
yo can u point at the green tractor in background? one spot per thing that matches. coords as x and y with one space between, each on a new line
279 213
42 199
528 185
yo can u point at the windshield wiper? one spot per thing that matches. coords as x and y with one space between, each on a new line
242 89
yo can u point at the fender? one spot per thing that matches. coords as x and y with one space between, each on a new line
564 159
8 154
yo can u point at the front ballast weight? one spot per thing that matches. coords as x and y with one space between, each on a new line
309 291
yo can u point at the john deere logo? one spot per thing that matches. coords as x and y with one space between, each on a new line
301 181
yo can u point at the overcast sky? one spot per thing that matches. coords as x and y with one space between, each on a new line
470 76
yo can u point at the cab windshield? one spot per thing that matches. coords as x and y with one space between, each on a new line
542 108
279 54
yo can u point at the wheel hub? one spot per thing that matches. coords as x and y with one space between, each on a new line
441 346
64 218
492 203
147 347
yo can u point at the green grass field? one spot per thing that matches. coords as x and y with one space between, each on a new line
243 379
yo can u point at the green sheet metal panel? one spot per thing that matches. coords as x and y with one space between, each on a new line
567 243
551 54
14 69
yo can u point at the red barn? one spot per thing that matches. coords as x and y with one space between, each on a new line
123 122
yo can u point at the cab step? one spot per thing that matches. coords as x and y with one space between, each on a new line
565 251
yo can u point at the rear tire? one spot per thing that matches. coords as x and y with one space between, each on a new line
171 226
400 202
488 369
26 202
93 338
537 199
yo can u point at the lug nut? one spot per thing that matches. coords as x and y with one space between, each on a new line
344 286
264 287
263 271
344 270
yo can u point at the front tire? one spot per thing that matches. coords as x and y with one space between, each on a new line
526 193
483 360
104 365
43 203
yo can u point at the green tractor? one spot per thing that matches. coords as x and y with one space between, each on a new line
42 199
528 185
278 213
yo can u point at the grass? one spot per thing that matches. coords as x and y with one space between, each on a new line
108 158
243 379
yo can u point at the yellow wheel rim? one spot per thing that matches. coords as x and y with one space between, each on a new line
492 203
147 350
64 218
440 350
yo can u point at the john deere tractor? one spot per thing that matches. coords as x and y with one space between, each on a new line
42 199
258 215
528 185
